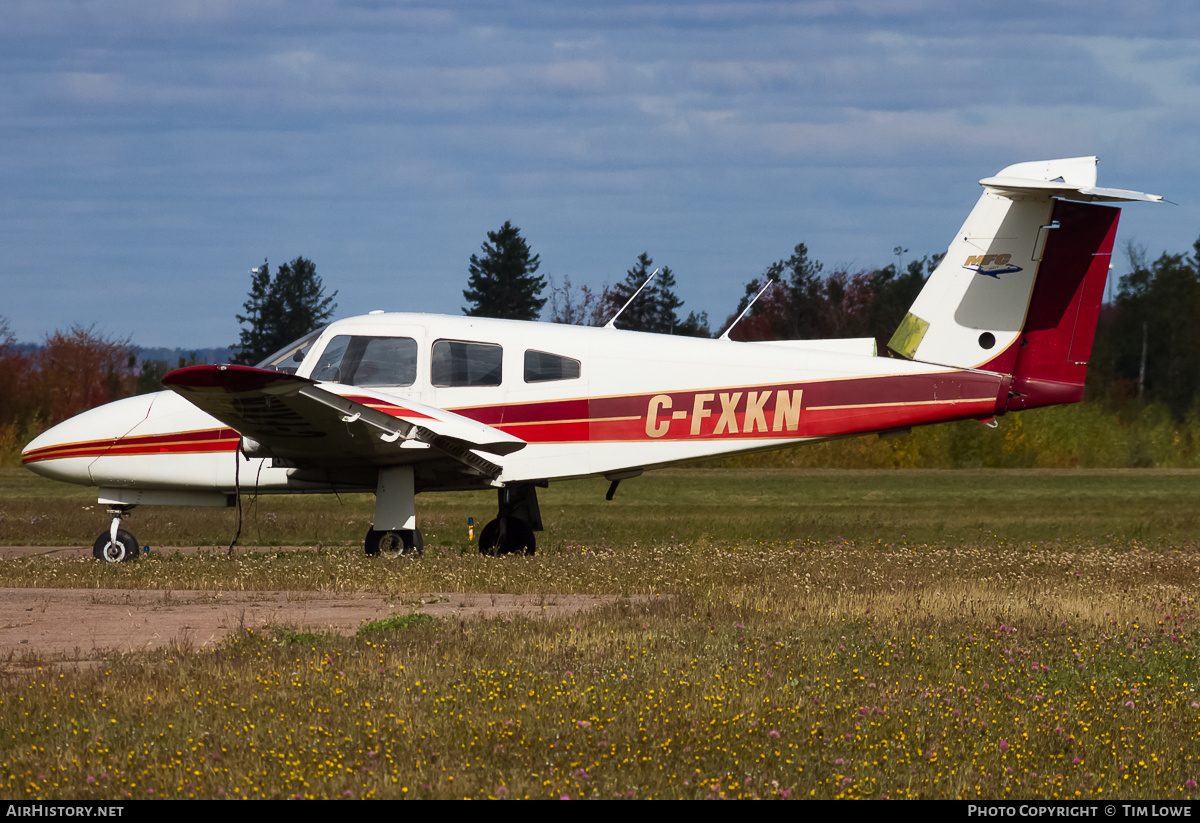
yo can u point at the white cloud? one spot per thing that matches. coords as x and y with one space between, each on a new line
157 131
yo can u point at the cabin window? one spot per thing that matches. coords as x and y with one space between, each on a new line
459 363
542 366
368 361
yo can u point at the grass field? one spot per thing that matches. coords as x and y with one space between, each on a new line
973 634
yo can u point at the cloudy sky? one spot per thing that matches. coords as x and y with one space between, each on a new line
153 151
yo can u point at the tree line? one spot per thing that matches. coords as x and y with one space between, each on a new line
1147 350
79 369
1148 340
503 282
1143 379
802 303
71 372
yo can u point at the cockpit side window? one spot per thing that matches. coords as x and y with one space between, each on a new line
460 363
289 358
362 360
541 367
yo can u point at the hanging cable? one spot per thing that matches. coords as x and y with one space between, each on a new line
237 489
257 484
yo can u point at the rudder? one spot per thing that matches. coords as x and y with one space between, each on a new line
1056 340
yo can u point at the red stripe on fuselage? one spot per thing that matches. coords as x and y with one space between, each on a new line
785 411
193 442
775 411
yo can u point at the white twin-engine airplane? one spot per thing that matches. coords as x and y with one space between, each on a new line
404 403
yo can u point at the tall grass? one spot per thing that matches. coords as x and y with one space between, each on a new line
1079 436
830 671
969 634
14 436
770 505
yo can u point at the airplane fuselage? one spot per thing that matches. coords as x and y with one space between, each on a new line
586 401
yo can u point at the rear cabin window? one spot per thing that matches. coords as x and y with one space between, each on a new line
541 367
460 363
368 361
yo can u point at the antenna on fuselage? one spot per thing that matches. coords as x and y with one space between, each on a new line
761 292
612 324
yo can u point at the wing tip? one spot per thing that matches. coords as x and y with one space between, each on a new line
230 378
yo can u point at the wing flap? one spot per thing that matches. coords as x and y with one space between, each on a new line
297 419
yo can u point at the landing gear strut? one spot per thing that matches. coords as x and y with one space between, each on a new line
394 532
512 530
116 545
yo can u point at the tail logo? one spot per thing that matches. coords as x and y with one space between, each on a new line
991 265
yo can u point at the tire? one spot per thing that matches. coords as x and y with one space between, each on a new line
125 550
517 538
394 544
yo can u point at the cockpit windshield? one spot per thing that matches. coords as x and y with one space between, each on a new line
368 360
289 358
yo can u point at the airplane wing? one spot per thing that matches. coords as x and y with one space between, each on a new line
306 423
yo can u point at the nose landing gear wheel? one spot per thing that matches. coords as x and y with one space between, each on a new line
123 550
393 544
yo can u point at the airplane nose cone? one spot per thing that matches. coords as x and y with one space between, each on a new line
66 451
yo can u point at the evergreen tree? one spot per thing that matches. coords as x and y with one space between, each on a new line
298 303
638 315
655 309
792 309
695 325
252 346
504 282
805 288
281 309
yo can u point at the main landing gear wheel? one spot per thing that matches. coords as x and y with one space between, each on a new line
124 550
393 544
507 535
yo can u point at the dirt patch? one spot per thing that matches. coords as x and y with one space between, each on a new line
76 626
80 625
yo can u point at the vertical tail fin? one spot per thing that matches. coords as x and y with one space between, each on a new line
1019 289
